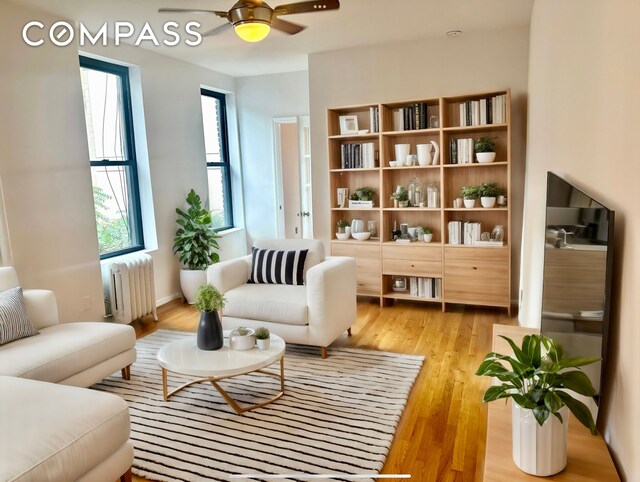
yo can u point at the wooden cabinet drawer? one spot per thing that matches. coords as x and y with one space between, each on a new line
412 267
367 258
477 275
356 250
417 251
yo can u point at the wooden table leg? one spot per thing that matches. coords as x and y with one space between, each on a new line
164 384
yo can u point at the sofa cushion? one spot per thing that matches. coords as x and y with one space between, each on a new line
55 432
272 266
314 256
276 303
14 322
61 351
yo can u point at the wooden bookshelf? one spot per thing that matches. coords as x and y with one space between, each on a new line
469 274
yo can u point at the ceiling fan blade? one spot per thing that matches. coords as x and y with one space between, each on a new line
192 10
217 30
305 7
287 27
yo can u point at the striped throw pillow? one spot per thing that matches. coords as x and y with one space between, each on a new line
14 322
270 266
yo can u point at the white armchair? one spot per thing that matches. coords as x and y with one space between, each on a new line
315 313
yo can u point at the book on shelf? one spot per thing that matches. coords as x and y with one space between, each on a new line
374 119
427 288
358 156
492 243
411 117
465 233
461 151
489 110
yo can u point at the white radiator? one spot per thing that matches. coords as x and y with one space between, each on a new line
132 290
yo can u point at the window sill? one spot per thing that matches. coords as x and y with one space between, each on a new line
114 259
226 232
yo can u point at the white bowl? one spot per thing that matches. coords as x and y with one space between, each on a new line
342 236
361 236
392 163
485 157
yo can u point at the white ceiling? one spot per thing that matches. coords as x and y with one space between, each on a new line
356 23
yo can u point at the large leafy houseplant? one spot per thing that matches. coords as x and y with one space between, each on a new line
538 377
196 241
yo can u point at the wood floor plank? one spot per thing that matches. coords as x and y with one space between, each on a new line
440 436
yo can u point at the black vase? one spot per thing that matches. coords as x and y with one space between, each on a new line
210 336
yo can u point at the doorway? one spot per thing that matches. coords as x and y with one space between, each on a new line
292 142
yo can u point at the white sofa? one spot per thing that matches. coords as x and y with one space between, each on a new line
57 433
313 314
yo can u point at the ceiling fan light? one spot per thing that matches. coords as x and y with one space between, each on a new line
252 31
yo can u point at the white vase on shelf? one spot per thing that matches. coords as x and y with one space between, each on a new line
424 154
436 153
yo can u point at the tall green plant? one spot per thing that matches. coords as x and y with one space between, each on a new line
538 379
196 241
208 298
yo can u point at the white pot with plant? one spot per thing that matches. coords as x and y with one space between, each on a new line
342 233
469 194
263 338
485 148
488 193
242 339
195 244
539 380
427 234
400 198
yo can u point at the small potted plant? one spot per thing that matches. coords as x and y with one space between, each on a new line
242 338
469 194
485 148
400 197
362 198
540 380
427 234
263 338
342 233
488 192
209 300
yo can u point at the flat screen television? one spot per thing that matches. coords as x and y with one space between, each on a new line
578 259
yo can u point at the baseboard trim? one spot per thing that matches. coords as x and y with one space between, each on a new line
167 299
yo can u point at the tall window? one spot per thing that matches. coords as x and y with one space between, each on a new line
214 116
116 199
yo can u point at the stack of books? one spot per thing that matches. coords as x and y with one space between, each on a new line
358 156
411 117
374 119
429 288
461 151
492 110
467 233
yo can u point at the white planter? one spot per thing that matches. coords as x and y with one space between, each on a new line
427 237
190 281
485 157
263 344
488 202
540 451
469 203
242 342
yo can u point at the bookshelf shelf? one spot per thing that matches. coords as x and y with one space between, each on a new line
469 274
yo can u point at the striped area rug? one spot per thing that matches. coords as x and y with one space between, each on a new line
337 416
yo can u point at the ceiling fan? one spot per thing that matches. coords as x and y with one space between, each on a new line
253 19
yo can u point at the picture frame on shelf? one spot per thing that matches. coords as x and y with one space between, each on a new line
348 124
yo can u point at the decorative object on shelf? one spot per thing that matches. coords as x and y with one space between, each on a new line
372 227
488 192
399 284
208 301
362 235
404 232
263 338
469 194
402 151
457 203
362 198
539 381
424 154
348 124
395 233
342 226
195 244
434 123
498 233
342 233
392 163
343 195
427 234
485 236
485 148
357 226
433 196
502 200
415 192
400 198
412 159
242 339
436 153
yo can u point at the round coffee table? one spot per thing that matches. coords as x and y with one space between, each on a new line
184 357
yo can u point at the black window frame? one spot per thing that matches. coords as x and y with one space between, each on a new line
131 165
224 164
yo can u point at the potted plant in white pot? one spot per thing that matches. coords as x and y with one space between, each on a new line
539 380
342 233
209 300
263 338
427 234
469 194
400 198
488 192
485 148
195 244
242 338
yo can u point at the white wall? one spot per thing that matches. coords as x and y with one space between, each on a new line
474 62
260 99
45 169
584 100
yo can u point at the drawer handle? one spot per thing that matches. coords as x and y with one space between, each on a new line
475 267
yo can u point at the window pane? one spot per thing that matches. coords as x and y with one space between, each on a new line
103 111
211 121
217 196
116 231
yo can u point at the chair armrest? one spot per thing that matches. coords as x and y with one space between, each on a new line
41 307
331 298
229 274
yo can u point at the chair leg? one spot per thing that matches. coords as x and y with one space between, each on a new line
349 331
126 477
323 350
126 372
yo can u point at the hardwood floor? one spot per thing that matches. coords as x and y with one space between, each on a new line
443 426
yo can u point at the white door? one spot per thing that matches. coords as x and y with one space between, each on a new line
292 142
